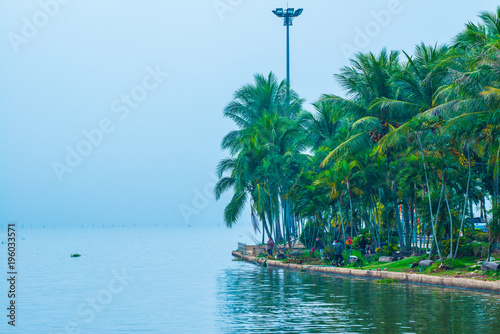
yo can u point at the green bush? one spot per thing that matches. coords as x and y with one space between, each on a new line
465 250
355 242
449 262
481 237
433 267
475 249
479 249
444 245
357 239
362 260
472 268
386 250
446 264
329 253
470 234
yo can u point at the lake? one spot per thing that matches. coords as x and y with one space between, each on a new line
184 280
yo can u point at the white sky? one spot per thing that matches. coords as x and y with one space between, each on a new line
69 75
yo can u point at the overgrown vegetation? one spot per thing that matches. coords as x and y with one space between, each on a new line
400 157
387 281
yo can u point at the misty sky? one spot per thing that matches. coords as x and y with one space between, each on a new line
112 110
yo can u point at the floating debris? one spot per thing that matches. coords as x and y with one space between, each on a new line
387 281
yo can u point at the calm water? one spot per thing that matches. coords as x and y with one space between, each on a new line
169 280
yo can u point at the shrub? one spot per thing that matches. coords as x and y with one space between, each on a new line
362 261
470 234
305 257
444 245
472 268
479 249
387 250
355 242
474 248
329 253
481 237
433 267
449 262
465 250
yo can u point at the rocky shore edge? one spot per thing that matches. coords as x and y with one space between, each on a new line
459 283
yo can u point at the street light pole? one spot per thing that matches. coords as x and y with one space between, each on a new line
288 15
288 57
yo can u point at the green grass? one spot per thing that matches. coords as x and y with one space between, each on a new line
464 267
398 266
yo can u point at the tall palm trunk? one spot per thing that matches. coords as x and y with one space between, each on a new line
277 229
465 204
414 222
342 221
451 222
265 228
434 225
286 221
399 223
406 218
350 211
378 224
429 196
399 226
373 223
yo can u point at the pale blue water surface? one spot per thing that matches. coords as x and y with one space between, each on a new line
183 280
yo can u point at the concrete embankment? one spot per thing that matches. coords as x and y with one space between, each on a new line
460 283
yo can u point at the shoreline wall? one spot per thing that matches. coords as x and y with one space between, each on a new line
451 282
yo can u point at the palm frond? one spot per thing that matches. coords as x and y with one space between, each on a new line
223 185
235 207
356 143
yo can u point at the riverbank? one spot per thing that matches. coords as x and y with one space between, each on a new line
414 278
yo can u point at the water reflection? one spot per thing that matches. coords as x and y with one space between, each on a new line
252 299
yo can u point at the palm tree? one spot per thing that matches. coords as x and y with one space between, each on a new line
266 142
327 127
243 179
366 81
252 101
494 228
396 137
